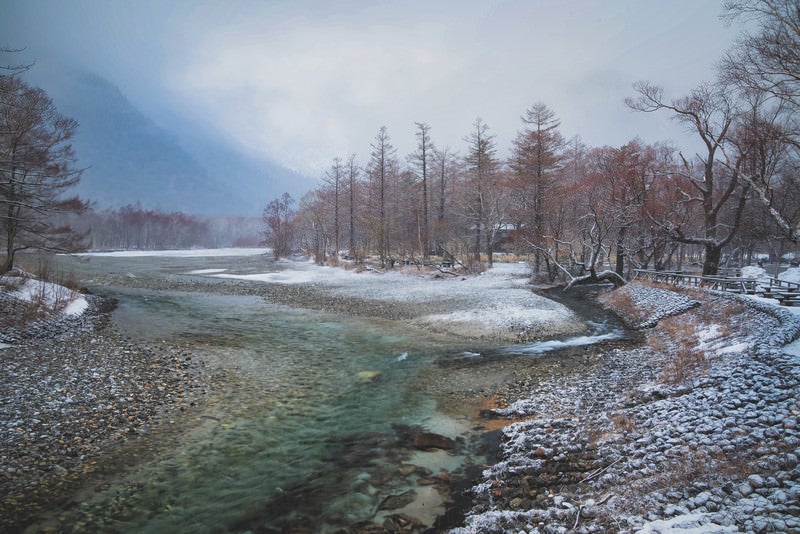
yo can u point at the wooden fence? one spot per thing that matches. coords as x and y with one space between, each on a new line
787 293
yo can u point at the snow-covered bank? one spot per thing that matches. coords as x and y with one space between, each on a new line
629 446
73 389
34 307
498 304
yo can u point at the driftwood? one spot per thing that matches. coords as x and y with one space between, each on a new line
604 500
443 270
602 470
592 276
595 277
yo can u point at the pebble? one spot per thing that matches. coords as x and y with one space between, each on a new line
72 389
721 446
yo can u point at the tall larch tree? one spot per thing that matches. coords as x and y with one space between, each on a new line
352 190
446 164
420 162
481 165
535 161
334 177
381 169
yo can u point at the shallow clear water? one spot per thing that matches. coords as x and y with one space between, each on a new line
599 332
307 433
308 430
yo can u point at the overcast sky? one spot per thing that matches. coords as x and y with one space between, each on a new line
301 82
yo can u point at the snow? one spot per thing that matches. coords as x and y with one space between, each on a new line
295 276
51 296
497 300
190 253
792 349
685 524
76 307
756 272
791 275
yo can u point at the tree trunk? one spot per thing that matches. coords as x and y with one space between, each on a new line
620 268
8 263
711 263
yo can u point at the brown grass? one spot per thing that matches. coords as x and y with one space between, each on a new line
620 302
678 342
622 422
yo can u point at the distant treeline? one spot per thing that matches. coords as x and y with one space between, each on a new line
132 227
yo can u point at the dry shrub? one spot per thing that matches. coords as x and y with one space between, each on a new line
682 365
622 422
678 342
620 302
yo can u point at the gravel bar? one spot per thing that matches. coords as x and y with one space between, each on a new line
74 389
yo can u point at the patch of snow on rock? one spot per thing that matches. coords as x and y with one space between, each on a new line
685 524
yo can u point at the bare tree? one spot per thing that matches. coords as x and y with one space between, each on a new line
381 170
36 169
279 220
312 224
709 113
769 59
352 181
765 66
446 168
481 176
334 177
420 163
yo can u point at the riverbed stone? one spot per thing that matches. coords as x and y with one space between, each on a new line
430 440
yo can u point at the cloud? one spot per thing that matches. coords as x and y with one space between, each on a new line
310 93
305 81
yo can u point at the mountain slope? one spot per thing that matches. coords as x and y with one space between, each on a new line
129 159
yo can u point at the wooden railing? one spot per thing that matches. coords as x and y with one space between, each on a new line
787 293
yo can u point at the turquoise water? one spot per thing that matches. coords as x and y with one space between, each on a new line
308 417
307 432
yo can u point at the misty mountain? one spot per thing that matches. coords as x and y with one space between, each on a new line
128 158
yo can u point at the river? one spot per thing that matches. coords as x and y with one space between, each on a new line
309 426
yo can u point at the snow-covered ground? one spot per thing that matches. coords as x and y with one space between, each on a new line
47 296
497 304
791 274
621 448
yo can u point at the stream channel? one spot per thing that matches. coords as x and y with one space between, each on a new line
309 418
